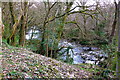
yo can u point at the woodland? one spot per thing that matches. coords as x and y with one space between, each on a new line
71 39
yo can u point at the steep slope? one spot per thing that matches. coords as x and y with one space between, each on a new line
22 63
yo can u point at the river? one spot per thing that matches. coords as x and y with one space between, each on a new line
82 54
79 53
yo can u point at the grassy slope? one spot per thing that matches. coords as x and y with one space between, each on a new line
21 63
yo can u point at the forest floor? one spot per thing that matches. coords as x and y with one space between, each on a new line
23 63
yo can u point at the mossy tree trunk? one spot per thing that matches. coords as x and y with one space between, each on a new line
23 24
1 38
12 39
14 24
0 24
118 53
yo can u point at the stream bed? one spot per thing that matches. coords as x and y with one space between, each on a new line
80 54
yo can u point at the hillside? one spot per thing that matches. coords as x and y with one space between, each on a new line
23 63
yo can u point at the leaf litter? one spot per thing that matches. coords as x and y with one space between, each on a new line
23 63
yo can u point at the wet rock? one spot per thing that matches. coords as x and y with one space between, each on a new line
90 52
87 48
102 59
84 57
97 62
81 53
90 62
92 58
94 48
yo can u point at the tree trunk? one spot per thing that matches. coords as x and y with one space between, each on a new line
42 49
13 43
114 23
0 39
0 24
118 53
84 22
42 46
23 25
22 32
12 39
14 28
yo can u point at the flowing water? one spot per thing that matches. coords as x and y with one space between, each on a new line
80 54
77 52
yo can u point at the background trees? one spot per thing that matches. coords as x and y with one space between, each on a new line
56 21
